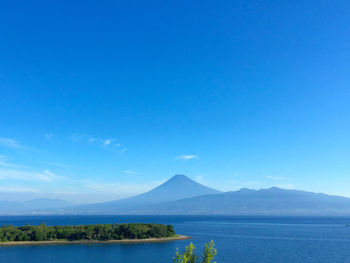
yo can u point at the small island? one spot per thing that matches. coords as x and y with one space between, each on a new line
99 233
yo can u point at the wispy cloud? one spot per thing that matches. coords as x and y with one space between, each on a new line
43 182
123 150
100 142
3 161
79 137
187 157
62 165
48 136
107 144
19 189
14 174
129 172
92 140
276 177
12 143
121 188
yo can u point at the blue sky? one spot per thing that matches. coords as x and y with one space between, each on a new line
102 100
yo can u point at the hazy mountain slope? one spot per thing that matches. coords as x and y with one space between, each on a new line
181 195
36 205
272 201
176 188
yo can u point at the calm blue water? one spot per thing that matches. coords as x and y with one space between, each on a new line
238 239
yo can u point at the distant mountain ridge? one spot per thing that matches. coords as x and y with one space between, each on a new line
176 188
43 204
181 195
272 201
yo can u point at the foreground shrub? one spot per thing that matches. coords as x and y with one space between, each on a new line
189 255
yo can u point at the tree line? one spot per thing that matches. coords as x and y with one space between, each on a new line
85 232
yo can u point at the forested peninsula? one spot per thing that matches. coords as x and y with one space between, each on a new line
86 233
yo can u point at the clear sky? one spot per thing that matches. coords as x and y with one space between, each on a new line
105 99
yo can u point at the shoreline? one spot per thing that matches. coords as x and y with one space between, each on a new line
67 242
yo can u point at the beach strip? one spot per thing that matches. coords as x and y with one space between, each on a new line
84 241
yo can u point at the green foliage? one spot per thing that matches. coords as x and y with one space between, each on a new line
189 255
209 252
85 232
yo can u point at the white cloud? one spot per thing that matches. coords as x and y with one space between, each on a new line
3 161
187 157
91 140
120 188
12 143
129 172
123 150
62 165
276 177
50 175
7 142
13 174
96 141
79 137
48 136
18 189
106 142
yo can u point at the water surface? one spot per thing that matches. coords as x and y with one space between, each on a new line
238 239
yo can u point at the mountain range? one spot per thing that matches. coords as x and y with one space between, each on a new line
32 206
182 196
176 188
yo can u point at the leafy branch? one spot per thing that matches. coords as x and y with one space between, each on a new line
189 255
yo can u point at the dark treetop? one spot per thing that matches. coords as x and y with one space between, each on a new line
85 232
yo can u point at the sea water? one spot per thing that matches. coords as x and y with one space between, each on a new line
237 239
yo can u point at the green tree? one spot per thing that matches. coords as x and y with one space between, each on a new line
38 235
209 252
170 230
189 255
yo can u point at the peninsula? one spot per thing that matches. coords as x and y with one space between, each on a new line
99 233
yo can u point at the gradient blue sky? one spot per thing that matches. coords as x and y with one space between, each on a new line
104 99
